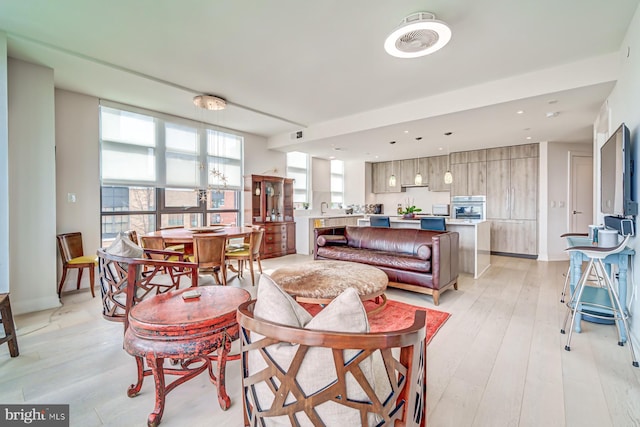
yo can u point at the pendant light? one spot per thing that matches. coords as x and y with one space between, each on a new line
392 178
418 178
448 177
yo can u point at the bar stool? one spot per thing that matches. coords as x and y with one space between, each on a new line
9 326
568 275
587 298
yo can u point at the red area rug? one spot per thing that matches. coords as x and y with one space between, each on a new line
396 315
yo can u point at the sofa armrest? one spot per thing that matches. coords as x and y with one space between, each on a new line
324 231
444 258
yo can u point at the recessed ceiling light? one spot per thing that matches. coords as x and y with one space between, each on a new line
418 138
528 137
526 129
337 149
520 112
417 35
332 157
406 131
392 142
440 148
448 133
551 114
553 101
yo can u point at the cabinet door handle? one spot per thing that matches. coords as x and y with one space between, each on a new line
576 212
513 198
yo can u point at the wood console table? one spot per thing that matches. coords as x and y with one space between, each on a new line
193 332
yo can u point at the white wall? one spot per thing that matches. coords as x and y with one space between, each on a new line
77 172
32 187
354 182
624 103
4 170
557 194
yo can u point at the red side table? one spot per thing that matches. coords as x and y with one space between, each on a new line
192 333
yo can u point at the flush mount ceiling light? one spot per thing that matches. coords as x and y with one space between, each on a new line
210 102
417 35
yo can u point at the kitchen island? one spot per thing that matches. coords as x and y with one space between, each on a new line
306 223
475 240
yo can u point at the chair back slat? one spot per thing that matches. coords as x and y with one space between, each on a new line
70 245
126 281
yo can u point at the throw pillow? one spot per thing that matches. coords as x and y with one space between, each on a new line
317 371
124 247
329 239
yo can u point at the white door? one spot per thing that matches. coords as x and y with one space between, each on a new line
581 193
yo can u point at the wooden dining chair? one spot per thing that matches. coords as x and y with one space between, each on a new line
72 254
209 254
6 318
157 243
132 235
248 253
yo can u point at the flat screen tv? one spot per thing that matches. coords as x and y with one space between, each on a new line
616 172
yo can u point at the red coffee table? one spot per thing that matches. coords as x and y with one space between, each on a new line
190 332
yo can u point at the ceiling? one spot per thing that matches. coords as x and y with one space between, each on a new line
319 67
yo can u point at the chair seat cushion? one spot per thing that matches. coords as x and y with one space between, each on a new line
317 371
177 248
86 259
237 253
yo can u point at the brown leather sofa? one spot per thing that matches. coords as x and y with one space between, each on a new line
422 261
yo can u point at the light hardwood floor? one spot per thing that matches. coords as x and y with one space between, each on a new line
498 361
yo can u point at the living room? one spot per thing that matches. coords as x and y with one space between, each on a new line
46 156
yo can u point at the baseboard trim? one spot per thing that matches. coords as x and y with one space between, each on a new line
515 255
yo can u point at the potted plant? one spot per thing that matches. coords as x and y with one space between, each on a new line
410 212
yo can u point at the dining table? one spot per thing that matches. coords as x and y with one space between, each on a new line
184 236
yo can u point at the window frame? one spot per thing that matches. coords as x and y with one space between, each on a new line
159 185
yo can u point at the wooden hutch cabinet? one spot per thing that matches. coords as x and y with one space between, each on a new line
272 208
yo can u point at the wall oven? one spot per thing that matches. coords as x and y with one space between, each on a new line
469 207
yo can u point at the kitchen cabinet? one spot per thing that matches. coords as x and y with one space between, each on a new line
468 156
460 184
438 166
477 178
378 177
469 179
272 208
512 195
407 172
514 237
380 173
409 168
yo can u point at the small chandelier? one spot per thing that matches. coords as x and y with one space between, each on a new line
210 102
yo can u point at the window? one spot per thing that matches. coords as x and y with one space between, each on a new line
160 171
337 184
298 169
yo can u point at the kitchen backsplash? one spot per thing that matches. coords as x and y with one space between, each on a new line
420 197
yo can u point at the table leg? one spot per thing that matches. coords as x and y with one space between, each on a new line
219 377
134 389
156 365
